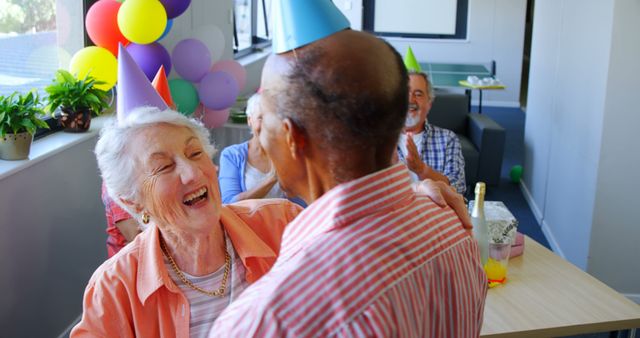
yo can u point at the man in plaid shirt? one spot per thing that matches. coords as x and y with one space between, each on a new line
429 151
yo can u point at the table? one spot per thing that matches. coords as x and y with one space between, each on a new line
548 296
449 75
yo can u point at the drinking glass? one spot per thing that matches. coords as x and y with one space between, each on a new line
497 262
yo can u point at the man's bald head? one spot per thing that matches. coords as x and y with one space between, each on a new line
347 90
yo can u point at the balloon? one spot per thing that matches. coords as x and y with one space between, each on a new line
184 95
167 29
218 90
212 118
175 7
142 21
212 37
233 68
191 59
516 173
150 57
97 62
102 25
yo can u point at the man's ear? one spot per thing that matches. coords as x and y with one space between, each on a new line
133 205
295 138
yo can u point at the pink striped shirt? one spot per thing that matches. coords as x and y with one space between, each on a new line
369 258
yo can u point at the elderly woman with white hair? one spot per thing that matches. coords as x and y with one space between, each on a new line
245 170
195 255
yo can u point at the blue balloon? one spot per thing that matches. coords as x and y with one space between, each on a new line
166 30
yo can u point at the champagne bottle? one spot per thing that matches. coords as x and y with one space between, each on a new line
480 229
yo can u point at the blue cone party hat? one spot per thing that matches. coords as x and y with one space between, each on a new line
134 88
301 22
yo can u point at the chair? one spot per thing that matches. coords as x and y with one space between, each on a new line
481 138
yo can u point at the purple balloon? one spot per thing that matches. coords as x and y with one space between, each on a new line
150 57
233 68
191 59
175 7
218 90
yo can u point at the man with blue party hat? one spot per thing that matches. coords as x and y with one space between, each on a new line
367 257
428 151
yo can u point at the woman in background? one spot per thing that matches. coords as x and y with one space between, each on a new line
245 170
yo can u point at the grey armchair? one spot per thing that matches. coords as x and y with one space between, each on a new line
481 138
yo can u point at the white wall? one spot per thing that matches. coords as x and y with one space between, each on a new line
577 154
53 237
615 240
495 32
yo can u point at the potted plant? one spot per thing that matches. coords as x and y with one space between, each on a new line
238 110
20 117
78 100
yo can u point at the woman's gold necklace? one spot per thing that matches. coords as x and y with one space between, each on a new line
183 278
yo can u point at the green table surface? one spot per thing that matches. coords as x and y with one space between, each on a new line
449 74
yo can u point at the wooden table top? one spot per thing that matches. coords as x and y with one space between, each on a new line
548 296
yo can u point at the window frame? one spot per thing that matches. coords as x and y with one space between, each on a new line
462 18
52 122
257 43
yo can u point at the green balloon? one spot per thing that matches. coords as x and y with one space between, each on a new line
184 95
516 173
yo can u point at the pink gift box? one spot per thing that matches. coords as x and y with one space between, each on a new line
517 248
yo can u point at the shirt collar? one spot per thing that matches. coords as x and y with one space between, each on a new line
383 190
251 249
152 273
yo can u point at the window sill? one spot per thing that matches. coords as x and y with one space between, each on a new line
51 145
254 57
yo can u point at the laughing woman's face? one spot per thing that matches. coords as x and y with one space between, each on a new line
177 180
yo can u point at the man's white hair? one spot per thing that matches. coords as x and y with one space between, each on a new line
116 162
253 104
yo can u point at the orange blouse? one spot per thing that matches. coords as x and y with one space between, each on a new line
132 294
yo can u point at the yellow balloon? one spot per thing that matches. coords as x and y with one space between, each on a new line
142 21
98 62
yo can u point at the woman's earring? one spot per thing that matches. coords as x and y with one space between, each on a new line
145 218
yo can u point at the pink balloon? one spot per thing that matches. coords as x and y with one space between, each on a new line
211 118
233 68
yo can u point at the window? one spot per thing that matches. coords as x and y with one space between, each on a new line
29 41
434 19
251 26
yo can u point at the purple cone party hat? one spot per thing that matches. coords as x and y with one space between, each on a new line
134 88
410 61
301 22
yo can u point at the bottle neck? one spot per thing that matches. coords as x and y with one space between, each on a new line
478 206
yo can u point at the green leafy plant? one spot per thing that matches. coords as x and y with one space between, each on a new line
20 113
67 91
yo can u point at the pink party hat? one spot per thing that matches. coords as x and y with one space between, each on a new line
134 88
301 22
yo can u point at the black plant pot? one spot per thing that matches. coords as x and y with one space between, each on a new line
75 121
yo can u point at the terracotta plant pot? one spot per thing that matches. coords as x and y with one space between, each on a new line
75 121
15 146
